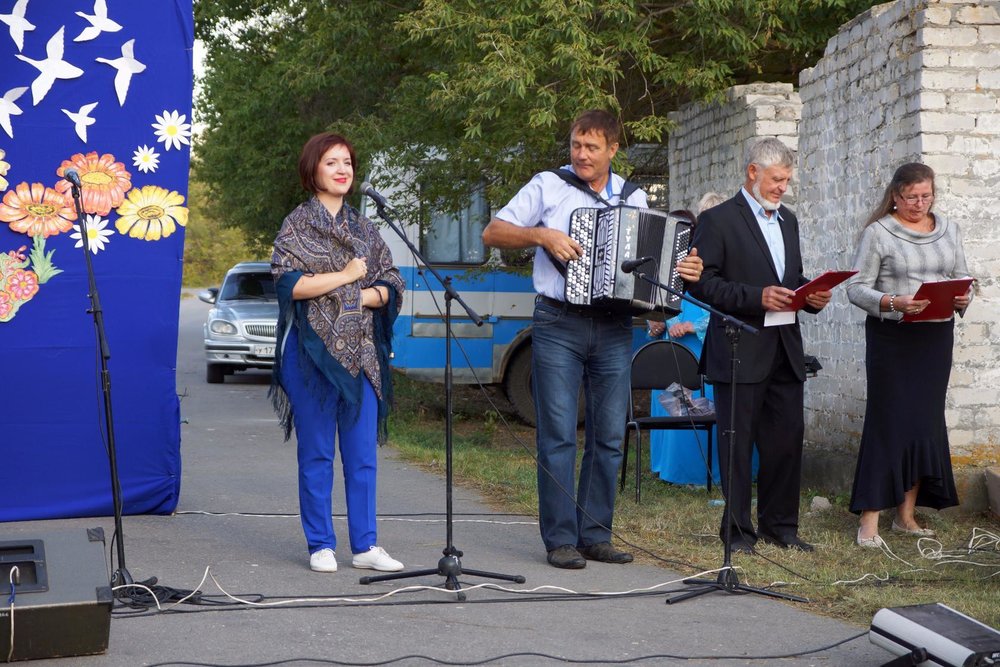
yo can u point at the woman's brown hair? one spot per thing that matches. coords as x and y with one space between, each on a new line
314 150
909 174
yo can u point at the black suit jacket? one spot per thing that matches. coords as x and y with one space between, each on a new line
737 268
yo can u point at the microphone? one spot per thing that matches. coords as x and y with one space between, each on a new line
73 176
369 189
630 265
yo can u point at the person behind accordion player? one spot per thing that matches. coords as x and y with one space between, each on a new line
575 343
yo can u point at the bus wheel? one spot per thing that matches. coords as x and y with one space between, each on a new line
517 386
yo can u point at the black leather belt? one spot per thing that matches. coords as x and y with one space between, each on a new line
578 309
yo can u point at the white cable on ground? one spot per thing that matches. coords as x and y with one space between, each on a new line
15 573
408 589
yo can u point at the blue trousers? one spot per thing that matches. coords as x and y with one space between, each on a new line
316 430
568 349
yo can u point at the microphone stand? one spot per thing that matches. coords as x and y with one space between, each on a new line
121 575
450 564
728 580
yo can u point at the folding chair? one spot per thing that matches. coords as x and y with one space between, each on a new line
656 365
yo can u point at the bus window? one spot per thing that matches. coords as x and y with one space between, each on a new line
457 239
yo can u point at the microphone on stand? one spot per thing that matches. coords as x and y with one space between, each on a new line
73 176
369 189
630 265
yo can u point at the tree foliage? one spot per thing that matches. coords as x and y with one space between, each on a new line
210 249
458 93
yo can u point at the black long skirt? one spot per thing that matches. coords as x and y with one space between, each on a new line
905 440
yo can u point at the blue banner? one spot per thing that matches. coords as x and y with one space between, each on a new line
102 88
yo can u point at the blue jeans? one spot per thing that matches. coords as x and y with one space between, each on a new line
316 432
566 349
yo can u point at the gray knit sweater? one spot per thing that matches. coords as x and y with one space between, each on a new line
892 259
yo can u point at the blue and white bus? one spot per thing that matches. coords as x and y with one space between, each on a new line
499 351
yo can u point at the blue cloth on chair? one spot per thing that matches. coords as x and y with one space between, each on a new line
678 456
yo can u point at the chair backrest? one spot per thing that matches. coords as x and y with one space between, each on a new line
658 364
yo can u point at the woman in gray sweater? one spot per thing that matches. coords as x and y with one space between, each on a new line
904 460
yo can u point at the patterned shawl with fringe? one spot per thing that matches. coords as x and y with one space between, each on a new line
338 338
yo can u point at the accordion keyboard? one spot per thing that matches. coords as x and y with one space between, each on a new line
581 228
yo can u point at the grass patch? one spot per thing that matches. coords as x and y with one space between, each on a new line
680 524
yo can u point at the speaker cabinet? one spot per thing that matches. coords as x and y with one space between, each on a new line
62 605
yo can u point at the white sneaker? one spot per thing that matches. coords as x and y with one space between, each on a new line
324 560
376 558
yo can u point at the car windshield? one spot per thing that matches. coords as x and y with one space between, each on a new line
248 286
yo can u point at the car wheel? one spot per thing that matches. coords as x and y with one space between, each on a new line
215 373
517 386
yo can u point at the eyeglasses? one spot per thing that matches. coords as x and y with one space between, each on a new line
913 199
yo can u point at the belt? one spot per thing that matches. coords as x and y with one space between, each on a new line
579 309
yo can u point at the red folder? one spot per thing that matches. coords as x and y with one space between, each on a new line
941 295
826 280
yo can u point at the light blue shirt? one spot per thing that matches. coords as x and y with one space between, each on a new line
771 230
548 199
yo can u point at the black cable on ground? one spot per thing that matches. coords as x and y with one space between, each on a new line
522 654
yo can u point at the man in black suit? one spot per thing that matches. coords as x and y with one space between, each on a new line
752 265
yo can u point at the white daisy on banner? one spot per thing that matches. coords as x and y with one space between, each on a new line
97 234
172 130
145 159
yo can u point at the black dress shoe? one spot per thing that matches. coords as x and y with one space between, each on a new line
740 547
566 557
604 552
791 543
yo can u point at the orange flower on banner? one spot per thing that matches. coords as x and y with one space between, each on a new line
22 284
37 210
6 306
151 212
105 181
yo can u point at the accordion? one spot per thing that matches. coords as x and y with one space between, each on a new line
610 236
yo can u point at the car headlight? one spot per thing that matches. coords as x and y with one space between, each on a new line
223 327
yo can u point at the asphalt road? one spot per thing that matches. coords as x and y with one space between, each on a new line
237 521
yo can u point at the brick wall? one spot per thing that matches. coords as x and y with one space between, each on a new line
706 149
905 81
911 80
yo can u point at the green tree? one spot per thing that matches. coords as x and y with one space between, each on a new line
209 248
276 73
467 92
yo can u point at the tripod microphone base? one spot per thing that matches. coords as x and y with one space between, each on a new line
449 567
728 582
121 577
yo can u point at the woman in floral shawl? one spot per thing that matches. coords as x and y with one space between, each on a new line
339 294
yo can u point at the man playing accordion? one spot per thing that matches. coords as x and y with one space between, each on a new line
574 343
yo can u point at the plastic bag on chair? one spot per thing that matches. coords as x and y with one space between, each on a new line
678 401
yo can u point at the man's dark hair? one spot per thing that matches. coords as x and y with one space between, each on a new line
598 120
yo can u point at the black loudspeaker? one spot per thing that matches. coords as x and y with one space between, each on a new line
62 603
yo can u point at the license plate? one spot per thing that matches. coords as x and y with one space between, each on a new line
263 350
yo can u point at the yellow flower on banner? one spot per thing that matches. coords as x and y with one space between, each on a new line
151 213
105 181
4 167
37 210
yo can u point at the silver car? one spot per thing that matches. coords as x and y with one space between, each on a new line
240 331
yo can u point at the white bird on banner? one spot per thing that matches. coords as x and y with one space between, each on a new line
17 23
82 119
52 68
127 65
99 22
8 109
